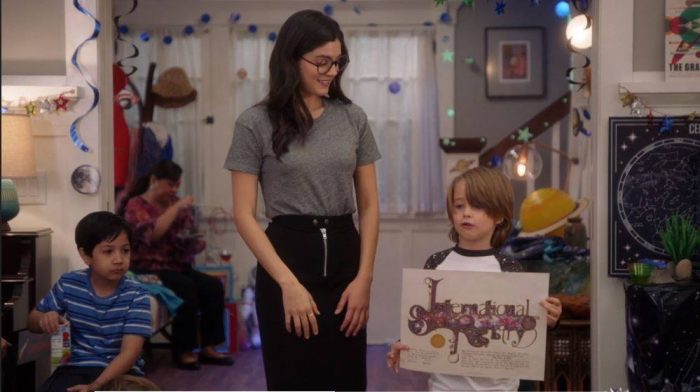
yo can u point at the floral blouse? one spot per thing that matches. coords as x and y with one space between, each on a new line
174 251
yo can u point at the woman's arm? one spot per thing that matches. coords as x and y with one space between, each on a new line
299 306
166 219
122 363
356 295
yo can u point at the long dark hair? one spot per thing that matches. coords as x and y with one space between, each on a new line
164 169
303 32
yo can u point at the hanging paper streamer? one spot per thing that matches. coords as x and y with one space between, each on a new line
570 70
121 29
96 93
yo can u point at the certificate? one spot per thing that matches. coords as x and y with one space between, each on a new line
485 324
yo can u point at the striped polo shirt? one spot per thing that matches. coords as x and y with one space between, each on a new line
97 324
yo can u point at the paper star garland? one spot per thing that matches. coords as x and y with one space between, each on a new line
61 103
666 125
30 108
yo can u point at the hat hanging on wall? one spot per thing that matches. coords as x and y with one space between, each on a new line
173 89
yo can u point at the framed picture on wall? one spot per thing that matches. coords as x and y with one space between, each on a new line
515 65
681 40
654 173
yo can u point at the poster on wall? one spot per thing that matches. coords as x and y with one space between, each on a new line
654 172
486 324
682 38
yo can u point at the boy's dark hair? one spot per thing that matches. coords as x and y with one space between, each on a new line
303 32
490 190
99 226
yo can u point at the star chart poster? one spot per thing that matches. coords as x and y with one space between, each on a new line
682 39
654 173
486 324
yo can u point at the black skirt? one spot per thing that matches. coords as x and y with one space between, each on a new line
324 255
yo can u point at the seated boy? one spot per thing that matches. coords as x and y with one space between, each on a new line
109 315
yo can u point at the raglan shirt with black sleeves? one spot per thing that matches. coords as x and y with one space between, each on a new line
98 324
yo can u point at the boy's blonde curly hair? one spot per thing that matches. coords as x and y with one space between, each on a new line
486 189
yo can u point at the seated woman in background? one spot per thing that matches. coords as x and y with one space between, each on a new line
165 245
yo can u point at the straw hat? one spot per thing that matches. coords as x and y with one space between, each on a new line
173 89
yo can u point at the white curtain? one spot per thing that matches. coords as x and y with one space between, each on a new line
405 124
185 125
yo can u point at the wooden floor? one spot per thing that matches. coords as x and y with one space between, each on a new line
248 374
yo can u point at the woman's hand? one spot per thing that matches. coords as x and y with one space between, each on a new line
356 297
184 203
50 321
393 357
300 308
553 307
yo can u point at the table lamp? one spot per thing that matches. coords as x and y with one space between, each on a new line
17 161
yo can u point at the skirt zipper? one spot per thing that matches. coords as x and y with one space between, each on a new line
325 251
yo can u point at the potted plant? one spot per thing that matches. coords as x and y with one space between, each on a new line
680 239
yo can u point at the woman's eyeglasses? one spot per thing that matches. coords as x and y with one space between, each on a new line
324 65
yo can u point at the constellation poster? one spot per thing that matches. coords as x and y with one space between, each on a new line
682 40
486 324
654 172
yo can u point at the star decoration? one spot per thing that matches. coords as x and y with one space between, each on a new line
45 106
632 137
691 116
61 103
439 2
468 3
448 56
666 125
524 134
30 108
501 7
5 109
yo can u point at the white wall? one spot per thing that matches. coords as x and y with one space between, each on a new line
33 39
56 154
613 65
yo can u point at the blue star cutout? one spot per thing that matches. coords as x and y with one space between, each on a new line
666 125
501 7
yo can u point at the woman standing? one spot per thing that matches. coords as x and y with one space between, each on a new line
307 145
165 245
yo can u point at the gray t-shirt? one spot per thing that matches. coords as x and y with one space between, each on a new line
316 176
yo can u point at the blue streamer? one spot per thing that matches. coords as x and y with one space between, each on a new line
96 93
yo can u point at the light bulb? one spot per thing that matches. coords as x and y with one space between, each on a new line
579 33
521 169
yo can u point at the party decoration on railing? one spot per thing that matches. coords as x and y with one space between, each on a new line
524 134
637 106
205 18
123 30
252 28
235 17
77 141
328 9
145 37
272 36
